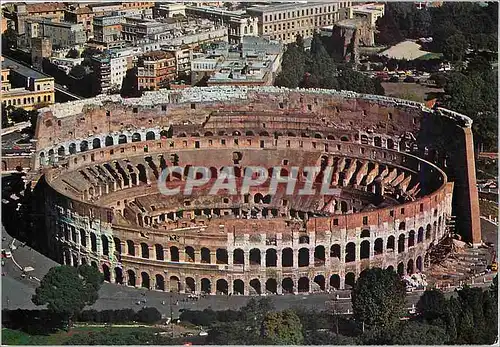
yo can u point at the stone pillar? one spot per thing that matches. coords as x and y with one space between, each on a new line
230 257
263 258
278 259
295 257
213 257
311 257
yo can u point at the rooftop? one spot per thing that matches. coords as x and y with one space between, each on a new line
285 6
22 70
45 7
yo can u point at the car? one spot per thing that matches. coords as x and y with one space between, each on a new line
6 253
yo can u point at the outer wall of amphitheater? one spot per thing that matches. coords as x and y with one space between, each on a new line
377 146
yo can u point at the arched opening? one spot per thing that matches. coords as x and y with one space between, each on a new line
84 146
402 226
287 257
222 287
144 250
136 137
96 143
175 284
378 246
303 257
221 255
401 243
319 280
303 285
189 254
93 242
391 240
130 248
150 135
377 141
249 133
105 245
419 264
238 287
238 257
350 252
61 152
159 282
390 144
335 281
255 256
343 207
401 269
420 235
205 255
108 141
206 286
174 253
350 280
271 257
287 285
159 252
365 250
409 267
145 283
411 238
131 278
271 286
335 251
428 232
72 148
390 268
106 273
319 256
365 233
117 243
255 286
190 285
118 275
122 139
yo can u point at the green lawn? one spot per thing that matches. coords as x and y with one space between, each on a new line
430 56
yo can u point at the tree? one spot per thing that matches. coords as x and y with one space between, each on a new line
130 87
282 328
72 53
78 72
378 297
92 276
149 315
9 38
387 30
65 292
414 333
432 305
455 47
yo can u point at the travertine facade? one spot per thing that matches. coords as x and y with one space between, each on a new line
101 159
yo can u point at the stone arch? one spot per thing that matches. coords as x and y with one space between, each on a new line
189 254
255 285
93 242
175 284
109 141
131 278
401 243
335 281
428 232
249 133
84 146
287 285
221 256
238 257
117 243
145 280
136 137
174 253
159 282
420 235
130 248
303 257
390 143
263 133
122 138
364 251
254 256
118 275
205 255
287 257
271 257
378 246
190 285
72 148
150 135
105 245
159 252
401 269
402 226
61 152
390 268
238 287
144 250
222 286
411 238
409 267
206 286
365 233
419 264
319 255
303 285
318 135
350 252
320 281
377 141
96 143
271 286
106 273
350 280
391 243
335 251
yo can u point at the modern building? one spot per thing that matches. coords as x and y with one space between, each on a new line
368 12
101 67
238 23
287 20
62 34
137 28
169 10
110 69
155 70
183 57
107 29
24 87
82 15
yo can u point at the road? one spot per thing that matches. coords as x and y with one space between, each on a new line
17 291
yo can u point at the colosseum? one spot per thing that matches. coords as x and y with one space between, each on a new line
401 171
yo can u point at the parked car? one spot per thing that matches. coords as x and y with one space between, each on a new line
409 79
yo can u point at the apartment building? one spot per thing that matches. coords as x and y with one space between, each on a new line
138 5
62 34
368 12
155 70
138 28
110 69
169 10
107 29
47 10
287 20
183 56
24 87
238 23
82 15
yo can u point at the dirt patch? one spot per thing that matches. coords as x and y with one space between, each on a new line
411 91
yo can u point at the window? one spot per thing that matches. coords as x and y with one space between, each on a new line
391 213
365 220
335 221
403 210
